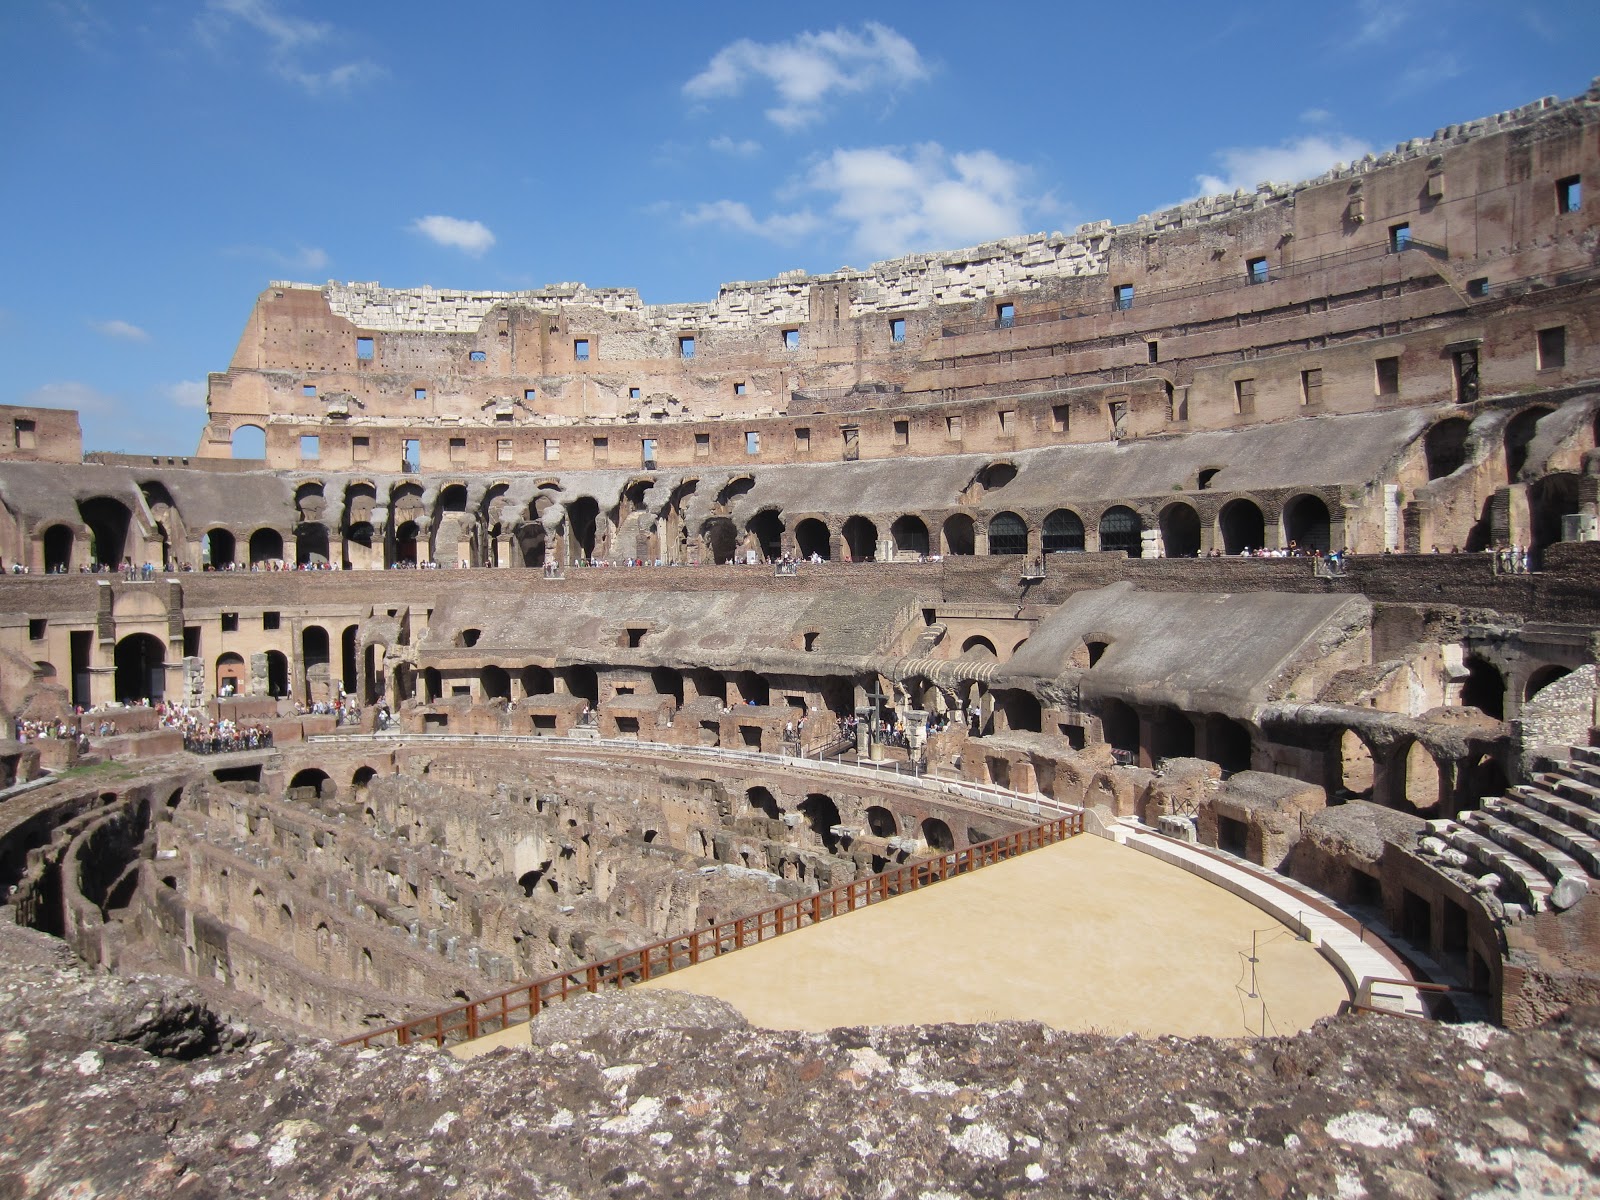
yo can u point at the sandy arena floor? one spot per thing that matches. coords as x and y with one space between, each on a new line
1084 935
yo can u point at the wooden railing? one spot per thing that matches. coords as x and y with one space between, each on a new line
1366 1000
490 1014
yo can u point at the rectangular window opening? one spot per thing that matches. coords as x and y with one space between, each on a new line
1478 288
1569 194
1152 352
952 428
552 449
580 349
902 433
310 445
897 330
36 628
1464 365
529 395
364 349
633 393
1399 237
1244 396
648 448
360 448
308 389
1311 387
1552 348
271 620
419 393
23 433
230 622
752 442
1256 270
791 339
802 440
1008 420
1124 296
686 347
738 389
1005 316
477 356
702 445
410 456
1387 372
458 449
1060 418
502 450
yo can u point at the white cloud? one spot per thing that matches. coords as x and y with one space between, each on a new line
739 149
731 214
186 393
1316 116
290 41
121 330
470 237
301 258
890 200
1302 158
804 70
1426 73
1379 20
70 393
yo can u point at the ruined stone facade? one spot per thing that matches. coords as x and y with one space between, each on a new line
1005 493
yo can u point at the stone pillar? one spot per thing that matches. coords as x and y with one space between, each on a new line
864 743
916 720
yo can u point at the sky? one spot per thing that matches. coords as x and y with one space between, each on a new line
163 160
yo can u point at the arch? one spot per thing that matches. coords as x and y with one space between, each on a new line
1241 526
1421 778
1062 532
1180 530
754 688
537 681
108 521
57 546
361 535
230 674
811 538
266 545
583 520
1520 430
1445 446
979 644
910 535
710 683
313 777
1227 743
583 682
1307 523
721 538
496 683
1022 710
453 499
362 777
960 535
1485 688
310 544
530 537
1008 534
1549 500
760 800
141 668
766 527
881 822
937 834
218 548
1543 678
1122 529
860 539
821 815
406 542
1356 768
277 673
1119 725
667 682
347 659
249 441
314 649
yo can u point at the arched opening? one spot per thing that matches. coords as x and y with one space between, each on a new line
721 537
1520 430
277 673
537 681
1171 735
881 822
821 815
583 682
1008 534
937 834
767 529
1356 771
583 516
57 544
667 682
311 545
1422 778
360 780
314 649
230 674
218 548
315 779
1484 689
266 545
496 683
760 800
1227 743
141 662
811 538
978 646
1062 533
405 543
347 660
359 536
710 684
860 539
1022 710
249 441
453 499
1549 500
432 685
1445 447
530 538
754 689
1119 724
1122 529
107 520
1543 678
960 535
1242 527
1180 531
1307 524
910 535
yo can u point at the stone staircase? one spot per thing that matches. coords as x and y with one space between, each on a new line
1535 849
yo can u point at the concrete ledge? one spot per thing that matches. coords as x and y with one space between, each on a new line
1344 949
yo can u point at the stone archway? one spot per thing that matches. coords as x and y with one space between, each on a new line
141 669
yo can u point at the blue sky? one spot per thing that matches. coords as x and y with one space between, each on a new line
164 159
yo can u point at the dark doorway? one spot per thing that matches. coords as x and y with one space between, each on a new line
1180 531
1243 527
141 662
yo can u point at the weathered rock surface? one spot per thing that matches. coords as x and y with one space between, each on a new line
1368 1106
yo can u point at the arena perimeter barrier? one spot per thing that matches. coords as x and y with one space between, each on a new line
490 1014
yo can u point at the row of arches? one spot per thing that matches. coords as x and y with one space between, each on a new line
820 813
